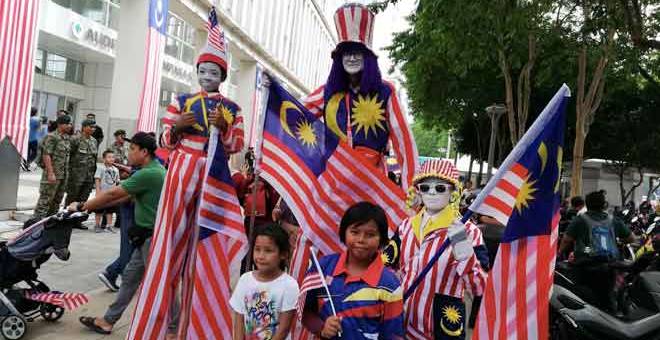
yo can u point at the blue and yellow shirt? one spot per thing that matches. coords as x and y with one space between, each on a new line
370 305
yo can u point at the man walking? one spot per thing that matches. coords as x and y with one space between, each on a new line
144 186
82 164
54 160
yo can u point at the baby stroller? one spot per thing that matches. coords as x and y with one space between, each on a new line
19 260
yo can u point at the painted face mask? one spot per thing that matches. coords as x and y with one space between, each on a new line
209 76
435 194
353 62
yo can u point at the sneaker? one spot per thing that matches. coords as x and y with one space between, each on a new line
111 229
98 229
110 284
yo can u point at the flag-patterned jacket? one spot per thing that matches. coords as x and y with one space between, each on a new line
447 277
196 136
376 119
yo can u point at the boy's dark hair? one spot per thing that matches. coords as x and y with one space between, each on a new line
33 111
278 235
577 201
361 213
107 151
595 201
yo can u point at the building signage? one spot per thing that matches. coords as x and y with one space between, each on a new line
178 72
93 36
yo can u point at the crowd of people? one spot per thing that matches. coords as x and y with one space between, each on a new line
156 201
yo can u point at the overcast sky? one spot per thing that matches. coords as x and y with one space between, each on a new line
392 20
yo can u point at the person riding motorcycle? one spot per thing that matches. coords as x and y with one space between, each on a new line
592 237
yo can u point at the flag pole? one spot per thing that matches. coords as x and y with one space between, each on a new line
265 91
325 284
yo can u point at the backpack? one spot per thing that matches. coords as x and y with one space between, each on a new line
602 245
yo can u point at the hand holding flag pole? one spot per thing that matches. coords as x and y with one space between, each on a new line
325 284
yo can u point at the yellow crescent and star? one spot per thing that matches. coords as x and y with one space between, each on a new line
526 193
452 315
367 116
224 111
304 129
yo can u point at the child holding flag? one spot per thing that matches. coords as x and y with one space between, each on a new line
362 299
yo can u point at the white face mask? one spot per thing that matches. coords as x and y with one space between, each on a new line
353 62
209 76
433 200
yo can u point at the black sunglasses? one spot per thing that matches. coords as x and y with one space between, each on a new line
439 188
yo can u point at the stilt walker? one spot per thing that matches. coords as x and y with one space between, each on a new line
359 107
191 120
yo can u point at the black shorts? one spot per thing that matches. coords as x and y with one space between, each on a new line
107 210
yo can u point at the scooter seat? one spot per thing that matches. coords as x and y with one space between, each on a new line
617 329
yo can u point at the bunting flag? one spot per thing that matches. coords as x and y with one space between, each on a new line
18 36
153 66
524 196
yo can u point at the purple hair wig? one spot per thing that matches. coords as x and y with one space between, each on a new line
338 79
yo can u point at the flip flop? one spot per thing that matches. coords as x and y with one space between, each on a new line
89 323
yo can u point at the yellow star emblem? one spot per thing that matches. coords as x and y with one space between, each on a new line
368 115
525 194
452 314
226 113
305 132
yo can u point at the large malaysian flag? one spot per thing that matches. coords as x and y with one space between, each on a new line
153 66
524 196
18 32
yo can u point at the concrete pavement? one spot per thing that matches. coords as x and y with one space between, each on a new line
90 253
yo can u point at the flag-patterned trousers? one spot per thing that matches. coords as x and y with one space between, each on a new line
173 249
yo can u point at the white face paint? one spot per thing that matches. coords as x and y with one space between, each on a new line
353 62
433 200
209 76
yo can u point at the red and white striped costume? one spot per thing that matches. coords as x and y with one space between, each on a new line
176 230
447 277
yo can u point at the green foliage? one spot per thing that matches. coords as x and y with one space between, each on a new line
429 140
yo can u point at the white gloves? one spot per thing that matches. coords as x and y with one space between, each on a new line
461 245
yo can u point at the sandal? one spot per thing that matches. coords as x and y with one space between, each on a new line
89 323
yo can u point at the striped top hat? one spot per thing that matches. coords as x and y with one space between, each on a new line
355 23
438 168
215 50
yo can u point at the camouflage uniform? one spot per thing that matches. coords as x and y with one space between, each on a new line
82 166
50 195
121 152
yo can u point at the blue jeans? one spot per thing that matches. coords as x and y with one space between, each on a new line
126 220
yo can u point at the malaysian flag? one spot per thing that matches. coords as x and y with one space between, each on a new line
318 175
153 65
69 301
18 36
524 196
312 281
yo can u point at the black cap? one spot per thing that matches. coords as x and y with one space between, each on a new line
88 122
64 119
144 140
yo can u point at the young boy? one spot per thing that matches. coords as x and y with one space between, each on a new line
367 296
106 177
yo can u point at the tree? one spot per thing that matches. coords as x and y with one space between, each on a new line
628 129
429 140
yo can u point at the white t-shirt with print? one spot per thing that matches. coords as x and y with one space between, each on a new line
261 302
109 176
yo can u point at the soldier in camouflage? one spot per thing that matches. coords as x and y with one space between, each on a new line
54 159
120 147
82 164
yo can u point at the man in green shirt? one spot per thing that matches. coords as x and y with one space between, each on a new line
593 271
144 186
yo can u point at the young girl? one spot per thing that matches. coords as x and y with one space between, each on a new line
264 300
367 296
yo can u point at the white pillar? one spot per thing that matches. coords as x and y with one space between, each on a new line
129 65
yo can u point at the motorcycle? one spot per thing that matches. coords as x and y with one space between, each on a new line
574 314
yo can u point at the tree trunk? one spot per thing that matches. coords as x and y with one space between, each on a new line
517 117
469 176
481 171
587 102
